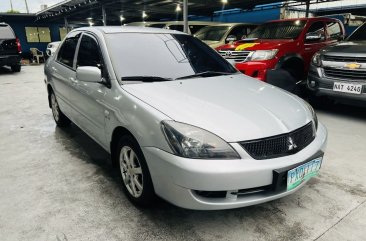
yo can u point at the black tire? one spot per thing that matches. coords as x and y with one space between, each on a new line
16 68
59 117
146 195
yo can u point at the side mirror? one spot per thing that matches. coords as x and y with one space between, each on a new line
310 37
230 38
89 74
244 36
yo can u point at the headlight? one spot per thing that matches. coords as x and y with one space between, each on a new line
315 118
193 142
263 54
316 60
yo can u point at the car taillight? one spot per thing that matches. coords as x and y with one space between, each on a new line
18 45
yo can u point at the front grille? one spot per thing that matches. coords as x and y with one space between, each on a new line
344 59
237 56
345 74
281 145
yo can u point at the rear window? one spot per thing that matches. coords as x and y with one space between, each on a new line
6 32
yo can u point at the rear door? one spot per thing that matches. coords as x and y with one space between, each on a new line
62 73
8 44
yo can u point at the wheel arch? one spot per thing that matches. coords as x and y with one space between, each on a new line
292 61
117 133
49 91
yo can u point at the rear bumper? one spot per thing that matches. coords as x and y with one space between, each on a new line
321 85
9 60
181 181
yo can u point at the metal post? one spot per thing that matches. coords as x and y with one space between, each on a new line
104 16
307 8
26 5
185 15
11 5
66 25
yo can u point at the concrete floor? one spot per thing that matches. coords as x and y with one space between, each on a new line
59 185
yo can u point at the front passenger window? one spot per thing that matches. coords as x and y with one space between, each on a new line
89 54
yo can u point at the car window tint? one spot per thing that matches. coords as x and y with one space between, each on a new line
167 55
67 51
359 34
89 53
176 27
195 28
6 32
239 32
316 28
334 30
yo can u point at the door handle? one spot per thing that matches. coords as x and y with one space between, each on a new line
74 81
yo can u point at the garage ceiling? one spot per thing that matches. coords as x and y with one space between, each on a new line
79 10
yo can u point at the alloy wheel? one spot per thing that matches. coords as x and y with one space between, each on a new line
131 171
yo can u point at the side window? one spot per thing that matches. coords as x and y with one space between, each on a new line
176 27
89 52
315 33
67 51
195 28
334 30
238 32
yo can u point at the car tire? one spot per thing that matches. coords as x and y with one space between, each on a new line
16 68
59 117
134 172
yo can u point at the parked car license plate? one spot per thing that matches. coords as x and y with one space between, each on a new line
303 172
347 88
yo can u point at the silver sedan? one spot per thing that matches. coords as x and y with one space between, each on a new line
179 121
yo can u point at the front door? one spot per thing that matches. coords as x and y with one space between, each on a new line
89 98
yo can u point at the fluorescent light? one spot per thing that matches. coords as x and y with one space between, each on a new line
178 8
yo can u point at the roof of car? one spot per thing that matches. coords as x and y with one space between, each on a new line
128 29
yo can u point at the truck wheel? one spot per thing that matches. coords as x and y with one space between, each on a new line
16 68
136 179
59 117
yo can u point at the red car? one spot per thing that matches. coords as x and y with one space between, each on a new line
280 51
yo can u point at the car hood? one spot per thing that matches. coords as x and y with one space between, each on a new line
256 44
236 107
351 49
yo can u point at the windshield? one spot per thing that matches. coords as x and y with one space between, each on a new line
359 34
278 30
212 33
167 56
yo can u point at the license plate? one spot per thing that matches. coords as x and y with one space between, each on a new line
303 172
347 88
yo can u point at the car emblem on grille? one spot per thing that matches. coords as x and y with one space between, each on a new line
228 53
352 65
291 144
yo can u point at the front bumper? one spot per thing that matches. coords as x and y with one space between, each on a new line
322 85
177 179
9 60
256 69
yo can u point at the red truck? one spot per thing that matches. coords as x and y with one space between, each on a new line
280 51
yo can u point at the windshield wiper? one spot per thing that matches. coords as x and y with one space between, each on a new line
145 78
205 74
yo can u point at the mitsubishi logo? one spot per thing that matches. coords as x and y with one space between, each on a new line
291 144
